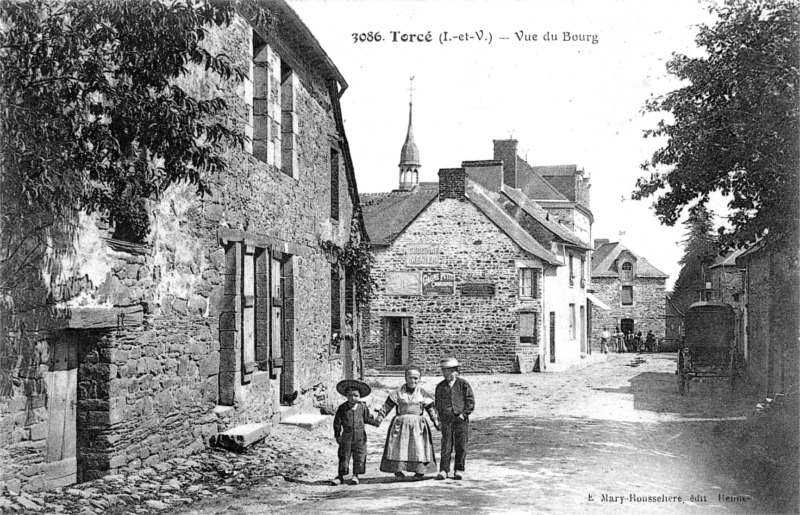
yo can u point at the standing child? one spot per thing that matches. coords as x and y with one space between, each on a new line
348 429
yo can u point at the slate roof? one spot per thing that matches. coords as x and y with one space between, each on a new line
532 184
539 214
386 215
604 258
482 200
728 259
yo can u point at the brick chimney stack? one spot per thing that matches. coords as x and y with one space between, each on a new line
452 182
505 150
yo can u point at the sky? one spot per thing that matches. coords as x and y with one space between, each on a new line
567 100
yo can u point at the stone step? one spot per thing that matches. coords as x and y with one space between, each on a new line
304 420
240 437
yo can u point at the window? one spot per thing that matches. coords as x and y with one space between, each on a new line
627 271
336 311
571 270
289 123
272 120
334 184
257 96
255 332
627 295
572 321
528 328
529 282
583 272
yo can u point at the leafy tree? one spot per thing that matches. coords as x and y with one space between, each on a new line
735 124
700 249
92 118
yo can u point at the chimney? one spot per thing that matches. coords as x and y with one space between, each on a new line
488 174
505 150
599 242
451 183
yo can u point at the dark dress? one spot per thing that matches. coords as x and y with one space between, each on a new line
348 429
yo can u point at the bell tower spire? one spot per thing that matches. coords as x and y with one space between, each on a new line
409 156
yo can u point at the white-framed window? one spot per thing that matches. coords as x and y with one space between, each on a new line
529 283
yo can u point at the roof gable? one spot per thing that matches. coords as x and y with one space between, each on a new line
386 215
606 256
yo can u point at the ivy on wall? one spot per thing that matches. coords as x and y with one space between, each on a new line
357 260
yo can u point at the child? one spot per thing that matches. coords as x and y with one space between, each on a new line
454 403
348 429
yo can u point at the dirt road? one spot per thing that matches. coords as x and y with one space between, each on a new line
611 437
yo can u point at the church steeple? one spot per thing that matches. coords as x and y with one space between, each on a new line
409 156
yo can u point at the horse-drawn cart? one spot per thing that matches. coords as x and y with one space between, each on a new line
709 350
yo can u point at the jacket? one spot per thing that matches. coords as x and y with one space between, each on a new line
461 397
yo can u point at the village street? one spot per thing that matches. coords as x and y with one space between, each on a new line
550 442
556 442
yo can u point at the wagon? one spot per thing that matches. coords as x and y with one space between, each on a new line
709 349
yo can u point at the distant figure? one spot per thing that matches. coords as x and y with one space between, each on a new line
618 340
637 342
650 341
605 336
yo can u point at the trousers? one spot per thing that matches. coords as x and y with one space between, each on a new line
353 444
455 433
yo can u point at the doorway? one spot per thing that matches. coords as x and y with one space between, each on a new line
397 332
626 325
61 464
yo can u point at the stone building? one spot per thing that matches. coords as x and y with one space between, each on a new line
472 267
634 289
234 305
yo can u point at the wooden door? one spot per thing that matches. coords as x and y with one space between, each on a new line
62 386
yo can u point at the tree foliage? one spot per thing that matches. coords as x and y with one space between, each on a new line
700 251
735 124
92 118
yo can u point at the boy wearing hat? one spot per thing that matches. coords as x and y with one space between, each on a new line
454 402
348 429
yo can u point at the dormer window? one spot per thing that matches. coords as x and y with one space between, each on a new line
627 271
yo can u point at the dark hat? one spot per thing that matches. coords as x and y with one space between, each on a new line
348 384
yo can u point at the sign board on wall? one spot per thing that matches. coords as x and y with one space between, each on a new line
422 254
477 289
403 283
438 283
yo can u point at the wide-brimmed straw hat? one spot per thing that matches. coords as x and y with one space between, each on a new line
449 363
349 384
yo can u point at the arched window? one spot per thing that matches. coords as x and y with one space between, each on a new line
627 271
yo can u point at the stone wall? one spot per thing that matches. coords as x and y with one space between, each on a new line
648 310
148 392
482 332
